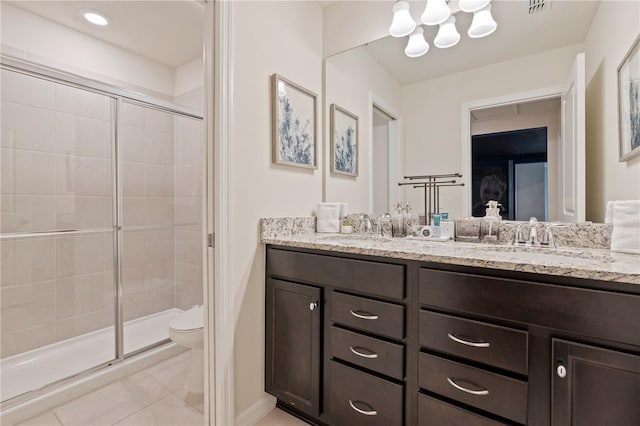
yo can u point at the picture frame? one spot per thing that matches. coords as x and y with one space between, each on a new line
629 103
344 142
294 124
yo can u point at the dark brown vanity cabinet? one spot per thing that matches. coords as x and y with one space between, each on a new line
293 335
353 340
594 386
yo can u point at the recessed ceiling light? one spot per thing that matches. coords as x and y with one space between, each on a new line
96 18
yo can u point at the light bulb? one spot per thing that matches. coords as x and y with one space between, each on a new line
448 35
436 12
482 24
402 24
96 18
417 45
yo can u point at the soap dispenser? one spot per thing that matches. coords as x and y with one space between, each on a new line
490 223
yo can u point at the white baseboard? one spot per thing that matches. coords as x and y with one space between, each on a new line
256 412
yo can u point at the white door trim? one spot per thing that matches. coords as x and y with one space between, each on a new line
465 145
395 164
219 342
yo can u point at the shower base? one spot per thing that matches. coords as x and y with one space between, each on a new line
32 370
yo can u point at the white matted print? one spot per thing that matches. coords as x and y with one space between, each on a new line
344 141
294 124
629 102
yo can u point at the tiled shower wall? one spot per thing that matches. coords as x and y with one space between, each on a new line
56 174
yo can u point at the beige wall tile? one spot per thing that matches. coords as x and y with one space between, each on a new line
26 90
27 317
82 324
159 181
27 260
160 279
131 142
160 246
80 255
133 248
82 212
77 135
132 115
160 211
134 284
133 211
133 179
15 213
81 102
80 295
19 131
158 120
159 148
93 176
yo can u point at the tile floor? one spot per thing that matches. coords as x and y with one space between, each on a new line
152 397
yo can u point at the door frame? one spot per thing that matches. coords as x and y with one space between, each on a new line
395 152
465 141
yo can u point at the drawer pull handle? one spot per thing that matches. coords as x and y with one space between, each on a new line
363 315
466 342
366 413
372 355
472 392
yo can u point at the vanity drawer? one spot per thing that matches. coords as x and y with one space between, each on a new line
487 391
570 309
374 354
379 279
386 319
358 398
433 412
486 343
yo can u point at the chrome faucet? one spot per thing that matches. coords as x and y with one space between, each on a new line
533 232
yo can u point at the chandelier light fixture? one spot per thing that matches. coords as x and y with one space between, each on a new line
438 12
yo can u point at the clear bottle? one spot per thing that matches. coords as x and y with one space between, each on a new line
397 221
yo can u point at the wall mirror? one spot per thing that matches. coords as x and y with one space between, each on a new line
506 111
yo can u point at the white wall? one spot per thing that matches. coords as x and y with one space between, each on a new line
350 79
188 77
432 113
40 40
268 37
612 33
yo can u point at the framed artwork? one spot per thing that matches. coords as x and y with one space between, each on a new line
344 141
629 103
294 124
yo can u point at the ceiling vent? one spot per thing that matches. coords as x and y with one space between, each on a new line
537 6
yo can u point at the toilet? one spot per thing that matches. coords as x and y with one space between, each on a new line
187 330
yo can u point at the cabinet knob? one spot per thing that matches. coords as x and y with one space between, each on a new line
313 306
561 371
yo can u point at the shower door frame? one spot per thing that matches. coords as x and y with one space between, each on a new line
117 96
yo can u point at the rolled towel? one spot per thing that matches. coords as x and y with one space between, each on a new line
625 218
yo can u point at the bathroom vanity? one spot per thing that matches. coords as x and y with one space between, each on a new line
372 331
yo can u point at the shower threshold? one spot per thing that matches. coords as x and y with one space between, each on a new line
39 367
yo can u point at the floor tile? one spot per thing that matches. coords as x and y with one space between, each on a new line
46 419
170 411
278 417
196 400
113 402
172 373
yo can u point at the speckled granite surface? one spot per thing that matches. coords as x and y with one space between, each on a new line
598 264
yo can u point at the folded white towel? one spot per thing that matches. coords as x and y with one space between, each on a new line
625 217
328 210
327 225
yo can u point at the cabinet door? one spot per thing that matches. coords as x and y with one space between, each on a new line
293 332
594 386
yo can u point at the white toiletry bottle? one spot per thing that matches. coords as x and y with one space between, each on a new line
435 229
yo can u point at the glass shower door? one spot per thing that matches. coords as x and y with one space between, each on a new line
56 232
160 156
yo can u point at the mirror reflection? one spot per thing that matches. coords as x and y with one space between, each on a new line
507 111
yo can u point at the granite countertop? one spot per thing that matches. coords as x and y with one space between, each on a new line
598 264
